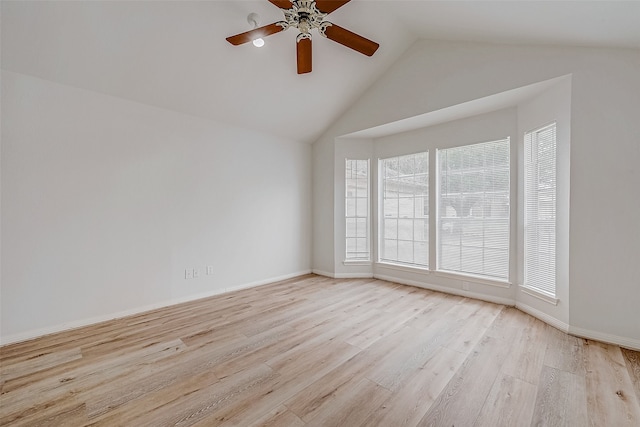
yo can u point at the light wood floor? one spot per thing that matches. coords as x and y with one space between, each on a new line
321 352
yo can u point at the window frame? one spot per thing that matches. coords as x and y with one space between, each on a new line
381 217
540 292
357 260
475 276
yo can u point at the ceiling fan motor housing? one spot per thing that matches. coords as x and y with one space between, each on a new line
305 16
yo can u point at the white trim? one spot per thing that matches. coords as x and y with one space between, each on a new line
402 267
356 262
36 333
353 275
368 218
323 273
540 295
467 277
625 342
558 324
447 290
266 281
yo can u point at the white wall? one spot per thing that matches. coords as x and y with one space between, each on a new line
552 105
605 196
106 202
605 153
323 208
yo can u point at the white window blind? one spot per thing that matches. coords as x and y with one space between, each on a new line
473 209
404 229
357 209
540 209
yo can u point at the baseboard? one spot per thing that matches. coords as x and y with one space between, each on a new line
550 320
36 333
323 273
353 275
625 342
604 337
446 290
267 281
343 275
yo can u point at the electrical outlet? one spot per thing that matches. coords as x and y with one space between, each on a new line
465 286
196 273
188 273
209 269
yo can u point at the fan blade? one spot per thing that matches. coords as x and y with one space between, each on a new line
351 40
282 4
328 6
257 33
303 50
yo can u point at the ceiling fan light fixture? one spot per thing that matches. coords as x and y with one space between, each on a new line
254 20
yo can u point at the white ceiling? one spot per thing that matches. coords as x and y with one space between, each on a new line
174 54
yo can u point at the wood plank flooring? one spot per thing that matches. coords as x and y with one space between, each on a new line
313 351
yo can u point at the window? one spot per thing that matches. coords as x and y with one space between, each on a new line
357 209
473 209
404 226
540 209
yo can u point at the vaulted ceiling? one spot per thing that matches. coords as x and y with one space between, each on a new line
174 54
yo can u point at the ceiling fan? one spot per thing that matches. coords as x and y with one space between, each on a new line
306 15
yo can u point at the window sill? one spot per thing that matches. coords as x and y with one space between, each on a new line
403 267
356 262
474 279
540 295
